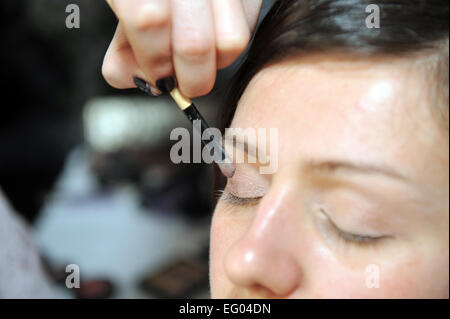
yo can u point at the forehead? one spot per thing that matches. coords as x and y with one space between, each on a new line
333 109
326 89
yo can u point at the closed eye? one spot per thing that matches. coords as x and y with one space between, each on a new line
238 201
357 238
352 237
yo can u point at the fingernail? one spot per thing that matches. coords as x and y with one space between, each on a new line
166 84
146 88
155 91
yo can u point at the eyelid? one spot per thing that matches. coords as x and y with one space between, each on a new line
361 239
232 199
357 238
246 185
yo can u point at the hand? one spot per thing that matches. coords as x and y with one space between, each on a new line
190 39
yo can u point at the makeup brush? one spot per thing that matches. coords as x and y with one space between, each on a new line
185 104
168 84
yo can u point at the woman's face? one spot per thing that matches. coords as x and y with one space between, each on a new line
358 206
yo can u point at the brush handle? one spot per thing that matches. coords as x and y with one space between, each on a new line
220 158
193 114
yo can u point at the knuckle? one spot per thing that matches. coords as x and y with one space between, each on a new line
197 89
193 47
234 44
150 16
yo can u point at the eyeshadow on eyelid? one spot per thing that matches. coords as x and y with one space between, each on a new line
239 201
244 185
246 189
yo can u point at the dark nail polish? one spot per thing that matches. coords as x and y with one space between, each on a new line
143 86
166 85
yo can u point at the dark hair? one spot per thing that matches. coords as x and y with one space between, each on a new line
295 27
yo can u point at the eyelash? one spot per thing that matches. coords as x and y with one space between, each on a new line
236 200
357 239
352 238
349 238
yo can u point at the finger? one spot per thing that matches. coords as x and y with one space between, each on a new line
119 65
193 40
147 26
252 8
232 31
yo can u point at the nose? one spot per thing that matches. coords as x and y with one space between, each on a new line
263 259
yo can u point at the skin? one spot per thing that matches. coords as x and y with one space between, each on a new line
374 113
156 39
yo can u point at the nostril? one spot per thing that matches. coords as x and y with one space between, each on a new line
262 291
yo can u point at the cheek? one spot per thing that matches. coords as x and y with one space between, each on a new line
328 276
419 274
222 236
410 274
216 249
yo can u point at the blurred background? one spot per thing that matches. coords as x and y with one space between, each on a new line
88 166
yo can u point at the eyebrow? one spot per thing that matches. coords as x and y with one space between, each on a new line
239 141
332 166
